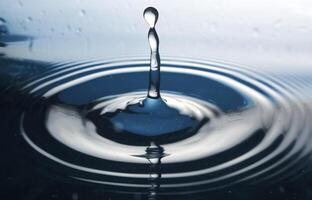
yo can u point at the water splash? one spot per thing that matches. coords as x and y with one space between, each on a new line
151 117
246 127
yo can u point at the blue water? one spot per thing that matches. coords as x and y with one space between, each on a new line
146 128
253 141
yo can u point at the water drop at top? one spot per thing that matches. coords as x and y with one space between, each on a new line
2 22
151 16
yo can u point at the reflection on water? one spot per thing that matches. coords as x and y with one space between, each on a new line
57 127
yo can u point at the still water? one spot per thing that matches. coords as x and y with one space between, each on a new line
151 128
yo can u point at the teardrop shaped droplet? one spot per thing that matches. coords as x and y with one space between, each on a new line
151 16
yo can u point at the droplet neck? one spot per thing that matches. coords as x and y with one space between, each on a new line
151 16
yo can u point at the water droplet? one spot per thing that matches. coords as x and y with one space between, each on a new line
3 28
151 16
79 30
69 28
31 45
20 3
125 118
82 12
29 19
2 21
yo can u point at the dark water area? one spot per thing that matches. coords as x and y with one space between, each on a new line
58 140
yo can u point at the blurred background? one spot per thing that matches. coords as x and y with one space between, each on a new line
270 35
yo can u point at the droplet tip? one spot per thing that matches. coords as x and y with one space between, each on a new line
150 15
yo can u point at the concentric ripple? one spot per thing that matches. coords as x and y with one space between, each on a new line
257 128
